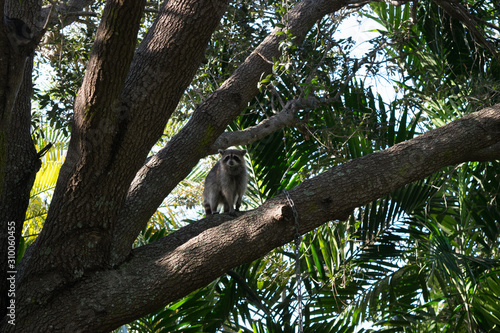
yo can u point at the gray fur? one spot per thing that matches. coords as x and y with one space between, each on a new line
226 183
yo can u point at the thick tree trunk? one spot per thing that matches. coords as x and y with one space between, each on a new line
22 164
119 115
19 162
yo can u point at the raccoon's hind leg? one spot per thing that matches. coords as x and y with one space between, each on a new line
210 203
226 207
238 203
228 203
214 203
208 210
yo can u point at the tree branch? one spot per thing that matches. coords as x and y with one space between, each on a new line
490 153
193 256
67 12
22 164
18 158
459 12
285 118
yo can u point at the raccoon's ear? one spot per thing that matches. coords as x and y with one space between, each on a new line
243 152
221 151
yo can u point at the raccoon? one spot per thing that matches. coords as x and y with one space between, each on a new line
226 183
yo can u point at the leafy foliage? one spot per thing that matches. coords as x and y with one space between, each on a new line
44 185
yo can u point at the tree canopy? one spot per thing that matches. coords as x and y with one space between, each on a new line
380 160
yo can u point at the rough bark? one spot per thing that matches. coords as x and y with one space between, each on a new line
196 254
70 219
22 166
19 161
285 118
119 115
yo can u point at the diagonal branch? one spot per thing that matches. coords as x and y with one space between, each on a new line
459 12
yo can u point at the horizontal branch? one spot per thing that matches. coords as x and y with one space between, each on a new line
193 256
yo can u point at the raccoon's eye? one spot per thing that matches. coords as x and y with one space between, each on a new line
236 158
226 159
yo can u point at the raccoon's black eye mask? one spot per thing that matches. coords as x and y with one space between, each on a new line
236 158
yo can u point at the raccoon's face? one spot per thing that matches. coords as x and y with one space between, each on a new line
232 160
232 157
